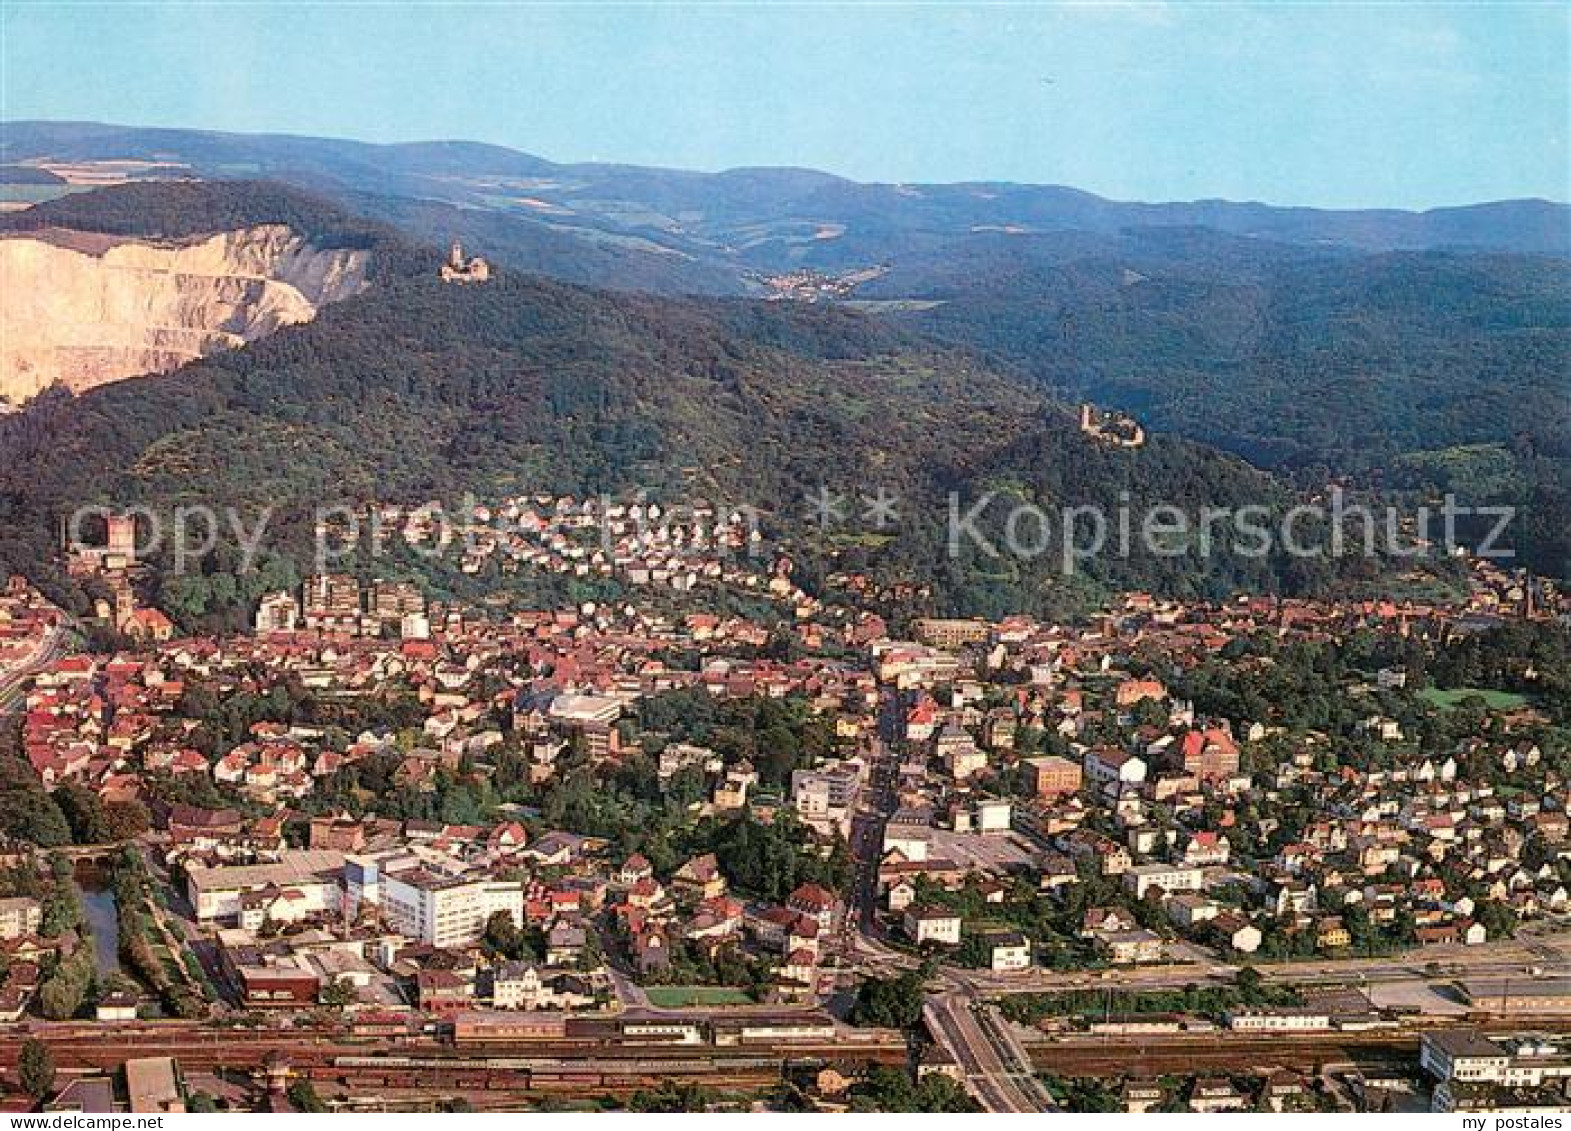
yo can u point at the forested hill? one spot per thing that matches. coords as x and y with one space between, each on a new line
1429 370
1286 355
178 210
418 389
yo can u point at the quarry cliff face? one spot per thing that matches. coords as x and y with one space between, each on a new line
81 310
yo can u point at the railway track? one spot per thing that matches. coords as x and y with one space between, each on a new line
393 1069
1154 1055
1128 1060
544 1079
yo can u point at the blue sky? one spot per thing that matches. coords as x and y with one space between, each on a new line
1330 104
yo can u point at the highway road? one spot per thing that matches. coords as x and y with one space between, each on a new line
859 930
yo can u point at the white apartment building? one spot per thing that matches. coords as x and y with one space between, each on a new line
442 909
1009 951
1171 878
824 798
994 815
20 916
1114 768
277 612
932 924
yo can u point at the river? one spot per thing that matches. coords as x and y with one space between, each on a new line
98 905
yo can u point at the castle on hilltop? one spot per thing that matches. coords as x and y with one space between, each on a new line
1111 427
457 269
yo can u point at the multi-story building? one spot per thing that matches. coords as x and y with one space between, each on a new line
1000 729
1209 754
964 759
393 600
1466 1056
1171 878
1054 777
574 710
824 798
113 558
269 975
1127 948
443 909
951 634
959 751
992 815
277 612
1473 1072
1216 1093
332 602
521 985
592 718
1008 950
312 879
932 924
1114 769
817 903
20 916
120 539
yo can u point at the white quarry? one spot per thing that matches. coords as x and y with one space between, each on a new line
81 310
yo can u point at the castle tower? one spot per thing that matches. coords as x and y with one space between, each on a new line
457 269
122 536
125 607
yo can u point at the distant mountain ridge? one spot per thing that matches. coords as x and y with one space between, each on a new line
717 230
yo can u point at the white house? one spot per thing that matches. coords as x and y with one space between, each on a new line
933 924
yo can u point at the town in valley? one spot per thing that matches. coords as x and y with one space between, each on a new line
826 558
381 851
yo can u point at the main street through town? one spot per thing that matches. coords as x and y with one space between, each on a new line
997 1073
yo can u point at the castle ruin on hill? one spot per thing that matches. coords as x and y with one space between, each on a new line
1111 427
458 269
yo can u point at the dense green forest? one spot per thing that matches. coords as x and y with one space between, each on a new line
1416 352
1420 371
421 390
181 209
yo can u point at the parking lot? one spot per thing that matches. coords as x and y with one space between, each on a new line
991 851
